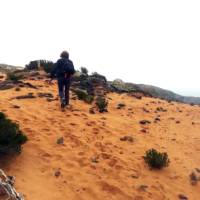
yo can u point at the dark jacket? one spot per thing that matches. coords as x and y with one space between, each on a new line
58 71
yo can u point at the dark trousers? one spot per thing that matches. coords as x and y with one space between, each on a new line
63 88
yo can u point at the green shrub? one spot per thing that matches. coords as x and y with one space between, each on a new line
102 104
89 99
156 159
83 95
84 70
14 76
46 65
33 65
11 137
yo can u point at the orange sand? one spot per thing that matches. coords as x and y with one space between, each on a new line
120 170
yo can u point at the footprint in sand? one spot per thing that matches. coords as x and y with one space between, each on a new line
91 123
73 124
95 130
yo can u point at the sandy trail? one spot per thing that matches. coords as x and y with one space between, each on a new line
94 163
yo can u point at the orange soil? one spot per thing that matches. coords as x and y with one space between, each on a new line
120 170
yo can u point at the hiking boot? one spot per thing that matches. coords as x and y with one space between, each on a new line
62 105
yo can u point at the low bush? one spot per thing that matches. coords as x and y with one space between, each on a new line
84 70
11 137
102 104
83 95
156 159
46 65
14 76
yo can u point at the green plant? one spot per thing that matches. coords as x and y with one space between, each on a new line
14 76
89 99
83 95
84 70
46 65
33 65
11 137
102 104
156 159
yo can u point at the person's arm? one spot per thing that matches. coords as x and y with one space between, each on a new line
54 70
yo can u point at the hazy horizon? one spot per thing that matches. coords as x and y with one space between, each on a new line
149 42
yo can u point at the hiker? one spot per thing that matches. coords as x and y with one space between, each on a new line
63 70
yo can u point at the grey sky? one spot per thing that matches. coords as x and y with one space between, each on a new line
143 41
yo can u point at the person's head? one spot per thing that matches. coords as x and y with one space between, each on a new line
64 54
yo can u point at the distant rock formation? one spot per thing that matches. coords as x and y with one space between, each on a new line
7 68
149 90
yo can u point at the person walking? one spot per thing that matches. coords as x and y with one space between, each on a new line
63 70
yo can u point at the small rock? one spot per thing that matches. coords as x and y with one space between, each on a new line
120 105
47 95
16 106
160 109
145 110
17 89
145 122
182 197
94 159
28 96
142 188
143 130
60 140
193 178
127 138
57 173
135 176
91 111
157 119
50 99
197 169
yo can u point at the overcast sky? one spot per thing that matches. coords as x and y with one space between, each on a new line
153 42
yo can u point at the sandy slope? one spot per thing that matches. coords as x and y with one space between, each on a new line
94 162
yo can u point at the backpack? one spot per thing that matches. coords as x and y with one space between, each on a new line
68 67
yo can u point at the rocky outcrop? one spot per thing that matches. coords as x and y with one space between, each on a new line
7 190
94 84
148 90
8 84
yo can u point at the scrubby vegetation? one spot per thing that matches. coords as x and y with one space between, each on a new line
43 64
156 159
83 95
84 70
13 76
11 137
102 104
47 65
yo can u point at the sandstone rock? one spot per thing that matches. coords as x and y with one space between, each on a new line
145 122
127 138
120 105
182 197
47 95
60 140
57 173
